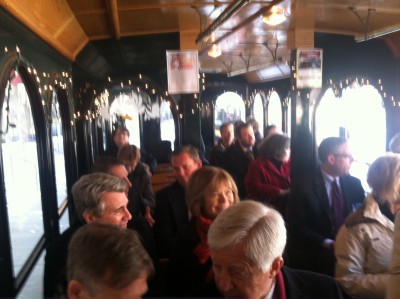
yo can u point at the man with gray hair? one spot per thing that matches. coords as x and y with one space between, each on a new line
98 198
247 242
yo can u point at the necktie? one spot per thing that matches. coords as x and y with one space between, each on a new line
337 205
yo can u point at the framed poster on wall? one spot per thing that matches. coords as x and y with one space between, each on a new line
183 72
309 68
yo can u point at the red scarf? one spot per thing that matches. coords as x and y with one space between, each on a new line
280 292
202 250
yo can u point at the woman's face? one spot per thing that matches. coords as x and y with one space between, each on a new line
130 166
286 157
218 200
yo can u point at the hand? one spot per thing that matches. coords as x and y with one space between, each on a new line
148 217
284 192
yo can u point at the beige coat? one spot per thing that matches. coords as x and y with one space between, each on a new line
394 281
363 249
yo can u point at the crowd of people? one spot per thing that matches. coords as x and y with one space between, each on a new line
240 227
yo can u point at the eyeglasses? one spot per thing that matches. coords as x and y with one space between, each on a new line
345 156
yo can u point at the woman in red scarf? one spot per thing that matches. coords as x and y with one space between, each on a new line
210 191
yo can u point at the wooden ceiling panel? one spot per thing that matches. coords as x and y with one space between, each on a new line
150 21
82 7
68 25
96 26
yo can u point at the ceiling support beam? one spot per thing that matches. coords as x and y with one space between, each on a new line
112 9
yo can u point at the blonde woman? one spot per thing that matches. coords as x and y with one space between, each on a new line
210 190
364 243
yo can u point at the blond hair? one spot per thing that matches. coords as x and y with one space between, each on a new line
203 181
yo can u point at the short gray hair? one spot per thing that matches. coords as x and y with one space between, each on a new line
260 228
89 189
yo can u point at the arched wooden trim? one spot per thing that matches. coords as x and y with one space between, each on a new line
11 285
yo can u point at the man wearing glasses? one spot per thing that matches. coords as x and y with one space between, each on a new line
319 203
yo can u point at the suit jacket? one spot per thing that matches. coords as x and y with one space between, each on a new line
236 162
311 221
55 264
171 214
298 285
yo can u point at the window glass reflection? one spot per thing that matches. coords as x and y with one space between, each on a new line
167 124
229 107
58 150
21 173
126 106
258 111
370 120
275 110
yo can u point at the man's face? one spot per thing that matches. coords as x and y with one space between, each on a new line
120 172
237 277
135 290
183 166
341 160
115 209
227 135
246 138
121 138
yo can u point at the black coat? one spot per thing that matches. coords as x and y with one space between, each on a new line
171 214
185 273
310 220
298 285
236 162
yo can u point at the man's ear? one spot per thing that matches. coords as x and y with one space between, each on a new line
76 290
331 159
276 266
88 217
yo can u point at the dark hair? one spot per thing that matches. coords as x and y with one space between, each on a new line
274 147
328 146
128 153
189 149
253 123
105 163
107 255
122 129
268 129
224 125
239 126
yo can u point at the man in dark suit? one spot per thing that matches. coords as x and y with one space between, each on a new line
319 203
171 212
238 156
227 138
246 244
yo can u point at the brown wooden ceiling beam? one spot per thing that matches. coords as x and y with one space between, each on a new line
112 9
62 31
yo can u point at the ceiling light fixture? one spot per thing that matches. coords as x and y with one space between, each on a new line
215 51
276 16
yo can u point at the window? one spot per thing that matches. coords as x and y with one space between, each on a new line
59 160
275 110
229 107
127 106
21 173
365 130
258 112
167 124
